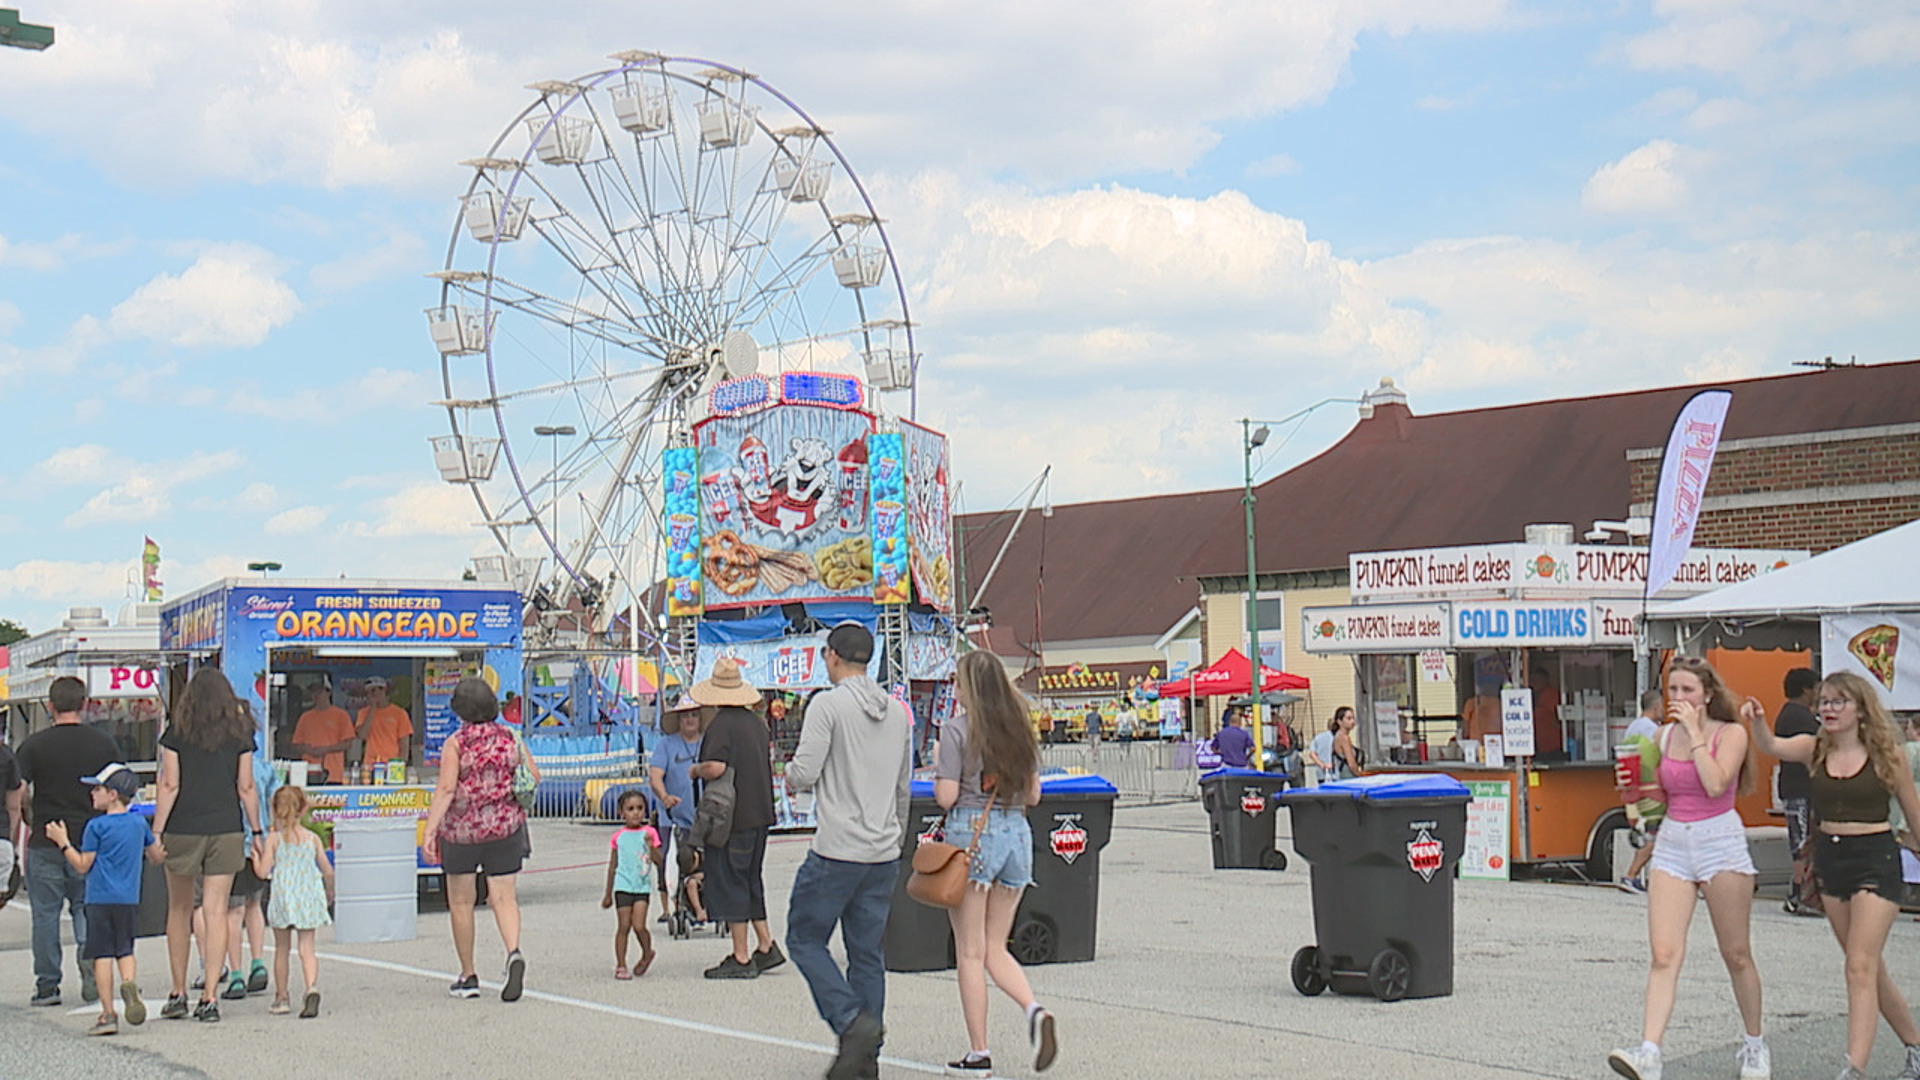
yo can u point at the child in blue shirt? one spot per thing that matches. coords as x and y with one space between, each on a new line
630 882
109 854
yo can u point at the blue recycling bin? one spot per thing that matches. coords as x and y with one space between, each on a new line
1382 850
1242 805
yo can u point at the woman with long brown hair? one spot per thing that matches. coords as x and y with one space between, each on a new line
1705 760
206 807
987 763
1858 766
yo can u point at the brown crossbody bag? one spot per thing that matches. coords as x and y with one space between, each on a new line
939 876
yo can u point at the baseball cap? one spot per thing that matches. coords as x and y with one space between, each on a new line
851 642
117 778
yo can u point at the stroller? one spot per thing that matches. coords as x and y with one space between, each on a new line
687 894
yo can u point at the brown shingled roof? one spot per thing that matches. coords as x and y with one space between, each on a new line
1110 568
1481 476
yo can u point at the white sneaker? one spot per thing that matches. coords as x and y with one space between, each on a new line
1756 1062
1848 1072
1636 1063
1912 1071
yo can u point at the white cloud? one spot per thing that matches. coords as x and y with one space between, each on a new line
297 521
378 387
1646 181
1273 165
420 510
54 255
398 253
364 92
83 464
1771 43
228 297
145 489
38 592
256 497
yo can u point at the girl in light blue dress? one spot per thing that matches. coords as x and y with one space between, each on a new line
297 865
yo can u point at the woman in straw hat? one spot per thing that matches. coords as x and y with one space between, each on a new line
736 739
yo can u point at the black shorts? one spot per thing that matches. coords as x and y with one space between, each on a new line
735 889
110 931
1845 865
495 858
247 885
623 900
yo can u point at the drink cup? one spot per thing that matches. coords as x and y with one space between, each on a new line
1626 768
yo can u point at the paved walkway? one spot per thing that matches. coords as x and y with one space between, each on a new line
1191 980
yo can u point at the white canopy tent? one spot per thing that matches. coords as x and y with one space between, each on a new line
1783 609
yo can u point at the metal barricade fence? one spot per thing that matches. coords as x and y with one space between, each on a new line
577 770
1152 770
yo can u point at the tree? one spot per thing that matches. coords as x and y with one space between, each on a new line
11 632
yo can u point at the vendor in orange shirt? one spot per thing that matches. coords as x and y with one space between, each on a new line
1480 714
324 734
386 727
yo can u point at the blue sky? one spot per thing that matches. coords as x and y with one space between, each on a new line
1120 225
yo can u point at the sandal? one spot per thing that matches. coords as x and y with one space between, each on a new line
622 973
646 962
280 1007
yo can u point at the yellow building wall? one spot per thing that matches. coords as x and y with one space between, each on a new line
1331 676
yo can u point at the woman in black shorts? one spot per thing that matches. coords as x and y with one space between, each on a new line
1857 766
205 791
476 824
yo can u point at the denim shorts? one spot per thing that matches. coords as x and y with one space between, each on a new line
1695 851
1843 865
1005 857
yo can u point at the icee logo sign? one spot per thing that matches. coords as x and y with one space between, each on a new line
1069 840
1253 802
1425 854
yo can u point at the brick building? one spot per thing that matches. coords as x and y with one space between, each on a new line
1816 490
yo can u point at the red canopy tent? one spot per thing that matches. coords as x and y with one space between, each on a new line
1228 677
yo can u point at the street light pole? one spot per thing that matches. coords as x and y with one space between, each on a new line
556 434
1251 439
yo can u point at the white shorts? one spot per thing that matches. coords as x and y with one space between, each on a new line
1695 851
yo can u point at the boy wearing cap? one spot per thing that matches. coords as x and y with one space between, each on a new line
109 854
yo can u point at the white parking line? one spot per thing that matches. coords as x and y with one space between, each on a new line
636 1014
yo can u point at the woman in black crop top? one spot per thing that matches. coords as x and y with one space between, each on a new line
1857 765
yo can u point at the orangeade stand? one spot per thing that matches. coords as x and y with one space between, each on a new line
291 646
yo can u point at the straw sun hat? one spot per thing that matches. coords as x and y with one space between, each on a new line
725 686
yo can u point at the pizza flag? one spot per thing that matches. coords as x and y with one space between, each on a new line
1683 483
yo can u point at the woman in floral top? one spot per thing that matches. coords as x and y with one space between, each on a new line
476 824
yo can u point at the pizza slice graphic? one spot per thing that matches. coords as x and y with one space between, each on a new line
1874 648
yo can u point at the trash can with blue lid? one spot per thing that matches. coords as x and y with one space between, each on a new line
1382 850
1058 918
919 938
1241 806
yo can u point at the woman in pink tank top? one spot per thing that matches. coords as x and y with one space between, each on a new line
1705 762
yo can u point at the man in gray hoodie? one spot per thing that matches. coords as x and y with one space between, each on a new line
856 756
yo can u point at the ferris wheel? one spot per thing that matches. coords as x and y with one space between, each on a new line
634 238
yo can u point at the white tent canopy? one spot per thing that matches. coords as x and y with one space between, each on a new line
1783 608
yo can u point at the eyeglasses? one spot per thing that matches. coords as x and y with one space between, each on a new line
1834 703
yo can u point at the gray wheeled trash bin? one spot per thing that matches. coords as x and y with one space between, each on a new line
1383 849
1241 806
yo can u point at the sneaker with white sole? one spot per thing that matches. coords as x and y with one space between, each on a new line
1912 1071
1634 885
1635 1063
1756 1062
1848 1072
981 1068
466 986
516 973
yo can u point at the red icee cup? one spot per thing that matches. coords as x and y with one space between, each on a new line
1626 768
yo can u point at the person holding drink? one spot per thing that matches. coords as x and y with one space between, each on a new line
1705 761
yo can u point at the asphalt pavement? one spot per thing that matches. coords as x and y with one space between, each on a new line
1190 980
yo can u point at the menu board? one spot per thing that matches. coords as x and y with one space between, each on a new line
1488 855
